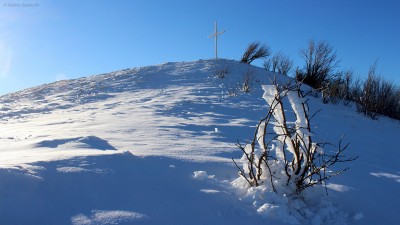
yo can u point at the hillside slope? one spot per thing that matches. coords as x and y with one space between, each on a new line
122 148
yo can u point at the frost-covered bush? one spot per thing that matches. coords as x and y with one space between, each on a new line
287 160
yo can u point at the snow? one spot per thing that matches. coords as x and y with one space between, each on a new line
107 217
338 187
358 216
209 191
153 145
387 175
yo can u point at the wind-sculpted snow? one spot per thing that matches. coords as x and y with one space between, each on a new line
91 142
122 148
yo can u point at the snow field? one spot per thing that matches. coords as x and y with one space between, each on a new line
153 145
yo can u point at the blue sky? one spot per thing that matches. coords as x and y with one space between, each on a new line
42 41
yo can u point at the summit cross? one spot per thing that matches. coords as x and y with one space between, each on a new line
216 34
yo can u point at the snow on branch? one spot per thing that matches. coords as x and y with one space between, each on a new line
287 159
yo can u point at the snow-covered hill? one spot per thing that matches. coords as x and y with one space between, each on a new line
153 145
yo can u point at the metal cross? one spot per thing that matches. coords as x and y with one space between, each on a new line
215 34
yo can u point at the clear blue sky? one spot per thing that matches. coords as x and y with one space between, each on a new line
42 41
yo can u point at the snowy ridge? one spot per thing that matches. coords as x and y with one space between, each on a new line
72 152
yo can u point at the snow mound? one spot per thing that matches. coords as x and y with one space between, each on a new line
90 142
313 207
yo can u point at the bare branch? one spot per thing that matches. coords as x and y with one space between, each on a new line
302 161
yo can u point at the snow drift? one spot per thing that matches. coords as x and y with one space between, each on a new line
122 148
